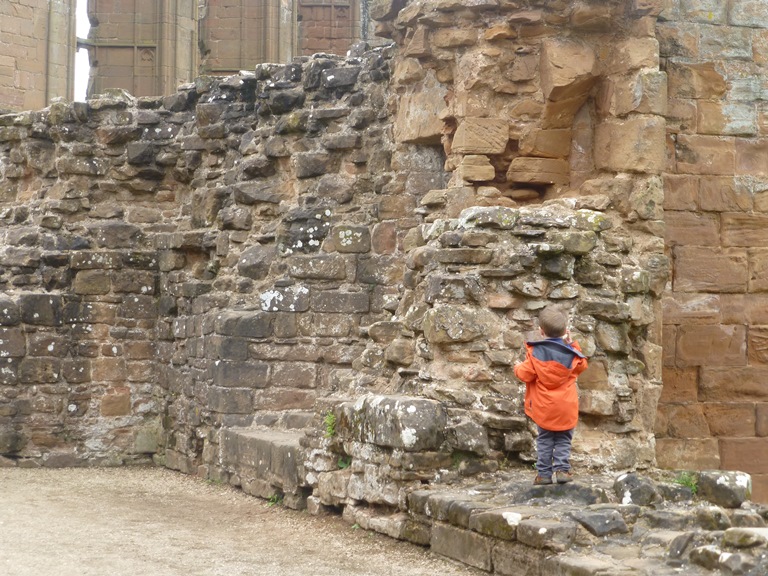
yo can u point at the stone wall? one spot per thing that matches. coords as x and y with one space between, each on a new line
37 53
289 241
713 412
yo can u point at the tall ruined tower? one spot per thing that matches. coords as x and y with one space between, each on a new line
37 52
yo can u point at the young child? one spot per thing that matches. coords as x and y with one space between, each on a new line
551 397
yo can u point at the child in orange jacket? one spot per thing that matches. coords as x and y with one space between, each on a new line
551 396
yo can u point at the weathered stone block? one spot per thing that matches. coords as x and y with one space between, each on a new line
232 374
549 534
41 309
92 282
418 117
527 170
39 370
290 299
726 270
693 454
481 136
463 545
294 375
330 267
516 559
229 400
724 488
740 454
10 315
635 144
567 69
413 424
696 345
13 343
341 302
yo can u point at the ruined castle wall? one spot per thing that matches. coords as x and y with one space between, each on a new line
714 410
37 51
284 244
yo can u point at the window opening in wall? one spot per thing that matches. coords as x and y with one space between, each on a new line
82 66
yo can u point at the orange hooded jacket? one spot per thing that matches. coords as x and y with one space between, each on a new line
549 372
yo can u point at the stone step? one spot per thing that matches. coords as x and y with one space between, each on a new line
266 463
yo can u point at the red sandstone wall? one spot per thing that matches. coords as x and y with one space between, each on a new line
714 407
36 52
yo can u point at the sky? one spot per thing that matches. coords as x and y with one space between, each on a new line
81 57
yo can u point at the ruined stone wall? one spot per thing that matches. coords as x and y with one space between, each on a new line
290 242
713 412
37 52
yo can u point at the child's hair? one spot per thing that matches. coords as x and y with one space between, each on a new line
553 321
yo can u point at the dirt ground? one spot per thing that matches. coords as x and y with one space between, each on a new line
151 521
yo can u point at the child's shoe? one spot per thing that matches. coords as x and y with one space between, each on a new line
542 480
563 477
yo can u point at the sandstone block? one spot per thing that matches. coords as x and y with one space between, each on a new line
294 375
635 144
549 534
341 302
294 298
255 261
546 143
450 323
749 13
680 385
476 168
742 454
526 170
709 11
10 315
13 344
726 119
311 164
463 545
691 228
726 270
750 156
232 374
744 229
516 559
699 81
567 69
735 384
697 345
116 403
41 309
413 424
633 54
692 454
481 136
39 370
453 37
730 419
724 194
330 267
418 116
351 239
92 282
284 399
381 270
230 400
645 92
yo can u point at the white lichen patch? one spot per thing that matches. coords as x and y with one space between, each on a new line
409 437
512 518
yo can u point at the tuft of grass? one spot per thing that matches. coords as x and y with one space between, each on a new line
344 462
329 421
275 500
688 479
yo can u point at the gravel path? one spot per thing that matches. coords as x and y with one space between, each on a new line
151 521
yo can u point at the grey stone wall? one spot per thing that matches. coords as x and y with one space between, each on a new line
302 241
